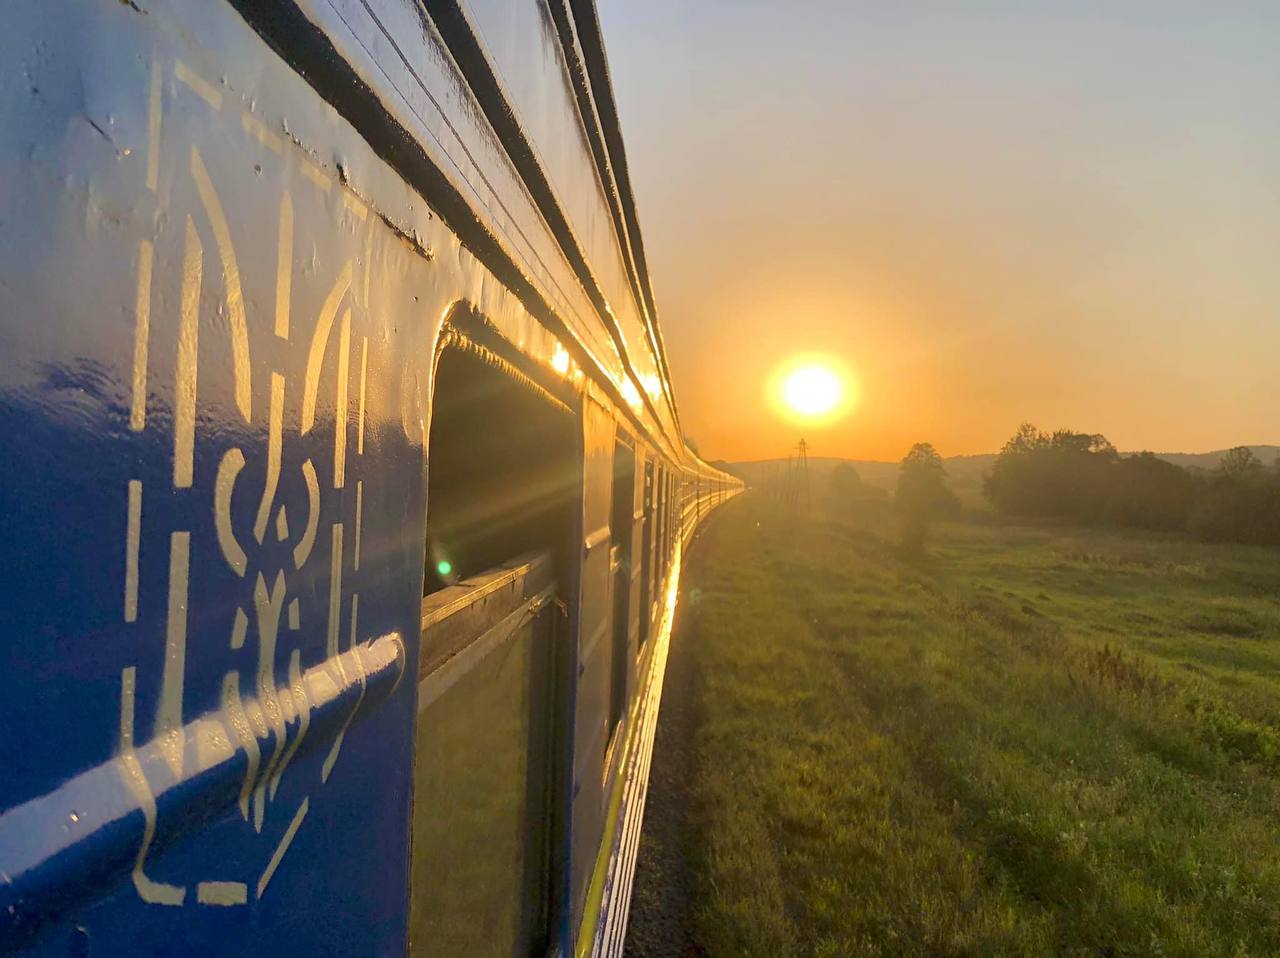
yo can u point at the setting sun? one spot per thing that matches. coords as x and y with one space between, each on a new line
812 389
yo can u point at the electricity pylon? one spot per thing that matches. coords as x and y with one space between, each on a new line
802 474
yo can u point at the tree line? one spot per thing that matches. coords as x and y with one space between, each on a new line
1081 477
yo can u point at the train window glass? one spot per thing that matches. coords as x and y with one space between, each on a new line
668 509
621 523
661 557
504 488
666 528
659 533
646 555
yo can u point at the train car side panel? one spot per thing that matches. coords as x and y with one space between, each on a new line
235 236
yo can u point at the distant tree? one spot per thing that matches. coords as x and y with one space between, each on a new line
1063 474
845 488
1239 463
1240 501
1082 467
844 479
688 441
1014 485
1027 438
921 495
1150 493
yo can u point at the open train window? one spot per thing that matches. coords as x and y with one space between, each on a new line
504 493
502 469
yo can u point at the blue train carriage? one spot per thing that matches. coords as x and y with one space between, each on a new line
342 491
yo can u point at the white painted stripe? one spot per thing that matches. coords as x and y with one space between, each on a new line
340 425
153 129
198 85
284 266
239 628
133 534
184 412
359 518
364 369
225 893
336 748
258 130
283 847
128 688
335 593
141 335
173 679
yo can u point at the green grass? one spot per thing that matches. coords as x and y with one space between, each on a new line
1029 742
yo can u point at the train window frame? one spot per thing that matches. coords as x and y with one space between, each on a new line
523 602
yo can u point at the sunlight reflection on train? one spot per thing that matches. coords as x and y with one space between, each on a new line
631 394
560 360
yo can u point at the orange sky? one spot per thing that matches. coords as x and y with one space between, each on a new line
1068 217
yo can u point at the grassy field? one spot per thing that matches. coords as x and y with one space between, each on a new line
1031 741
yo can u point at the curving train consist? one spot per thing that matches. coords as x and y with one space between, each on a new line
343 493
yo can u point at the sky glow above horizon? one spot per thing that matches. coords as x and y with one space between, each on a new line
1019 212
